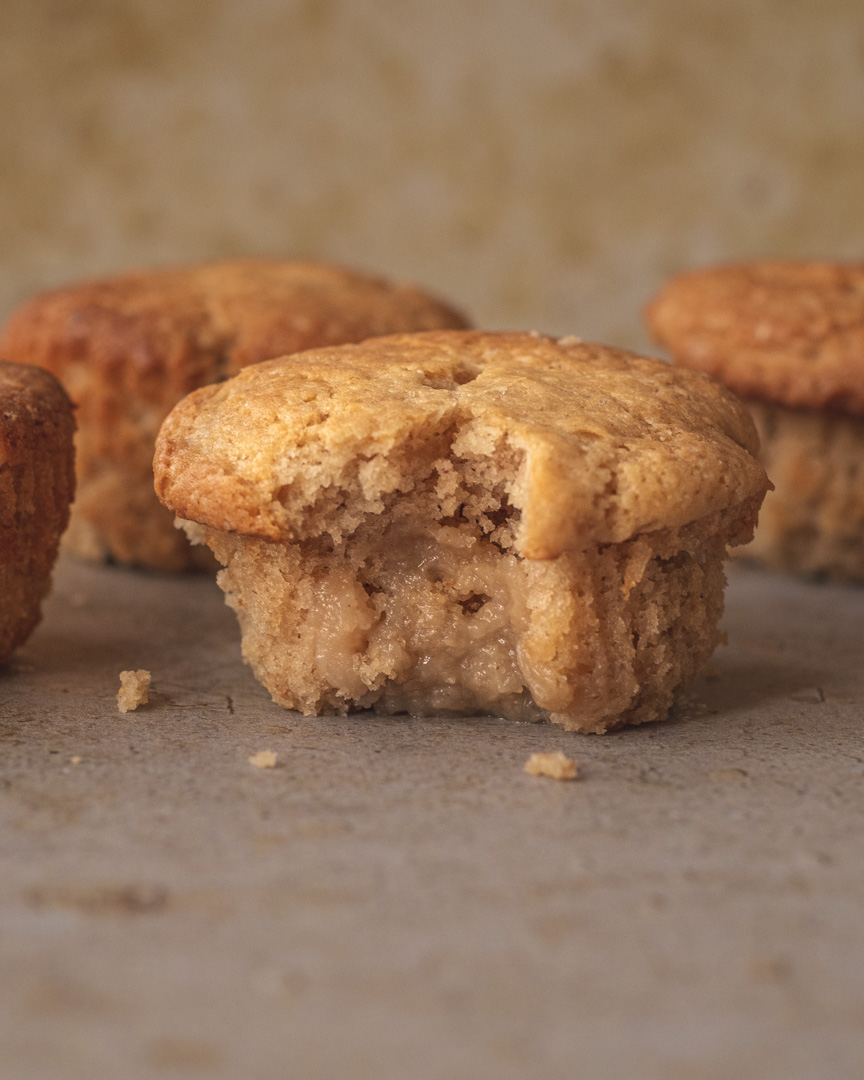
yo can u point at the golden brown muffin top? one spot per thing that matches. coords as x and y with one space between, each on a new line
32 406
597 444
788 332
178 323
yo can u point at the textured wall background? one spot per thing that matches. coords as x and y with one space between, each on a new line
544 163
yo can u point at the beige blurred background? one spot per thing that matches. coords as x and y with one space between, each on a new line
544 163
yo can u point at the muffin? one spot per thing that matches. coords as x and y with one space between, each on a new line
789 338
468 523
37 484
128 348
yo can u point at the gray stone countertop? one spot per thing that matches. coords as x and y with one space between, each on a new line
397 898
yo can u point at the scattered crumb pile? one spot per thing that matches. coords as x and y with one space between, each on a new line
264 759
134 687
556 765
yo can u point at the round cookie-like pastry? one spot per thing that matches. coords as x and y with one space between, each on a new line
37 484
127 348
469 522
789 338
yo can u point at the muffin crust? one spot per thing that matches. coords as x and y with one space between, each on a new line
787 332
603 444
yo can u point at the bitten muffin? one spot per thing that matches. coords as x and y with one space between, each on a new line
789 338
469 522
127 348
37 484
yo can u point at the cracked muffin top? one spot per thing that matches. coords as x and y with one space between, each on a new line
788 332
181 327
594 444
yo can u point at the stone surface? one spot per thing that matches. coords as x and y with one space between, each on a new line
397 898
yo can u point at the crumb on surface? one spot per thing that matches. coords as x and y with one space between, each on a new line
76 759
134 687
728 774
263 759
557 765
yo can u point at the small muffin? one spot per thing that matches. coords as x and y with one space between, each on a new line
789 338
37 484
127 348
468 523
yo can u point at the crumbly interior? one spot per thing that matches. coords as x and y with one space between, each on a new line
429 608
813 522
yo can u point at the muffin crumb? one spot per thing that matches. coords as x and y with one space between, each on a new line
263 759
134 688
556 765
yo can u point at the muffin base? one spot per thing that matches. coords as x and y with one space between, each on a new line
441 617
116 518
37 483
813 522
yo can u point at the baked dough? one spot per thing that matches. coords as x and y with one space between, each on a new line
468 522
127 348
37 484
788 337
